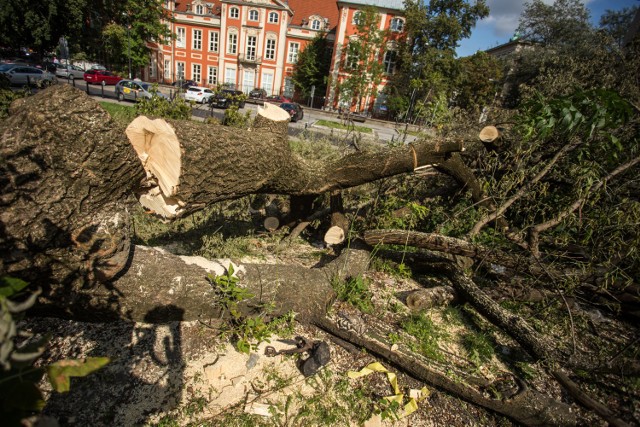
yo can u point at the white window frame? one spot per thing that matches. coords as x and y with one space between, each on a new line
273 17
196 43
389 61
196 73
228 72
315 24
270 48
199 9
181 37
251 48
267 83
167 68
212 76
397 25
180 66
232 43
214 41
254 15
234 12
248 84
294 51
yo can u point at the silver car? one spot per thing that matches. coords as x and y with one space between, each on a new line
69 71
24 75
133 90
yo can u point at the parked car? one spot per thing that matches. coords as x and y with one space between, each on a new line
198 94
22 75
294 109
69 71
133 90
6 67
277 99
102 77
258 94
227 97
184 84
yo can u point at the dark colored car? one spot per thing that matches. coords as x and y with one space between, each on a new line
226 97
102 77
294 109
258 94
184 84
277 99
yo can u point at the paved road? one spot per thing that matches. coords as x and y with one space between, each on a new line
382 131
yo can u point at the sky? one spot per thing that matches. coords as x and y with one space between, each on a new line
503 19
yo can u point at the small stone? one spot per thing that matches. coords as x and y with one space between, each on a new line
253 360
394 347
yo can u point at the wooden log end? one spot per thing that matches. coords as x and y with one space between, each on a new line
158 149
334 236
273 112
489 134
271 223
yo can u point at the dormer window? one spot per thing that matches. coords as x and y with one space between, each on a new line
397 25
234 12
199 9
253 15
315 24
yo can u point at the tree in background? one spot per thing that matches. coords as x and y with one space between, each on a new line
361 58
564 23
312 68
426 57
617 22
88 26
479 78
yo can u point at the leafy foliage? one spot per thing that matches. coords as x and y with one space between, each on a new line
362 59
312 68
20 396
158 106
248 331
426 333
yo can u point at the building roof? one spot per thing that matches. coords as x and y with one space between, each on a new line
303 9
385 4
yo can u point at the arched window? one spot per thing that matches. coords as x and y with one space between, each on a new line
315 24
199 9
234 12
397 25
253 15
273 17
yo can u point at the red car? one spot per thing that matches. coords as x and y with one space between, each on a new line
101 77
277 99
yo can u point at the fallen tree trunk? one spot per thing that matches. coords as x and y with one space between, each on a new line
69 173
527 406
157 278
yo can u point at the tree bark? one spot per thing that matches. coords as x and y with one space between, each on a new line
157 278
68 172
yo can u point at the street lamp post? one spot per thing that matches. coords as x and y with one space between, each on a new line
129 45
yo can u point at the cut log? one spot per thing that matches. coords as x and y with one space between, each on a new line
438 296
271 223
334 236
157 278
489 134
69 173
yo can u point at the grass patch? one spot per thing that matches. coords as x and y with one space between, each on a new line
123 114
479 347
335 125
426 333
355 291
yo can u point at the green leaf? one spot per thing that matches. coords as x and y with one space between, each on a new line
10 286
60 373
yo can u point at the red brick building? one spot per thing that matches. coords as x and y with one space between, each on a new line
255 43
